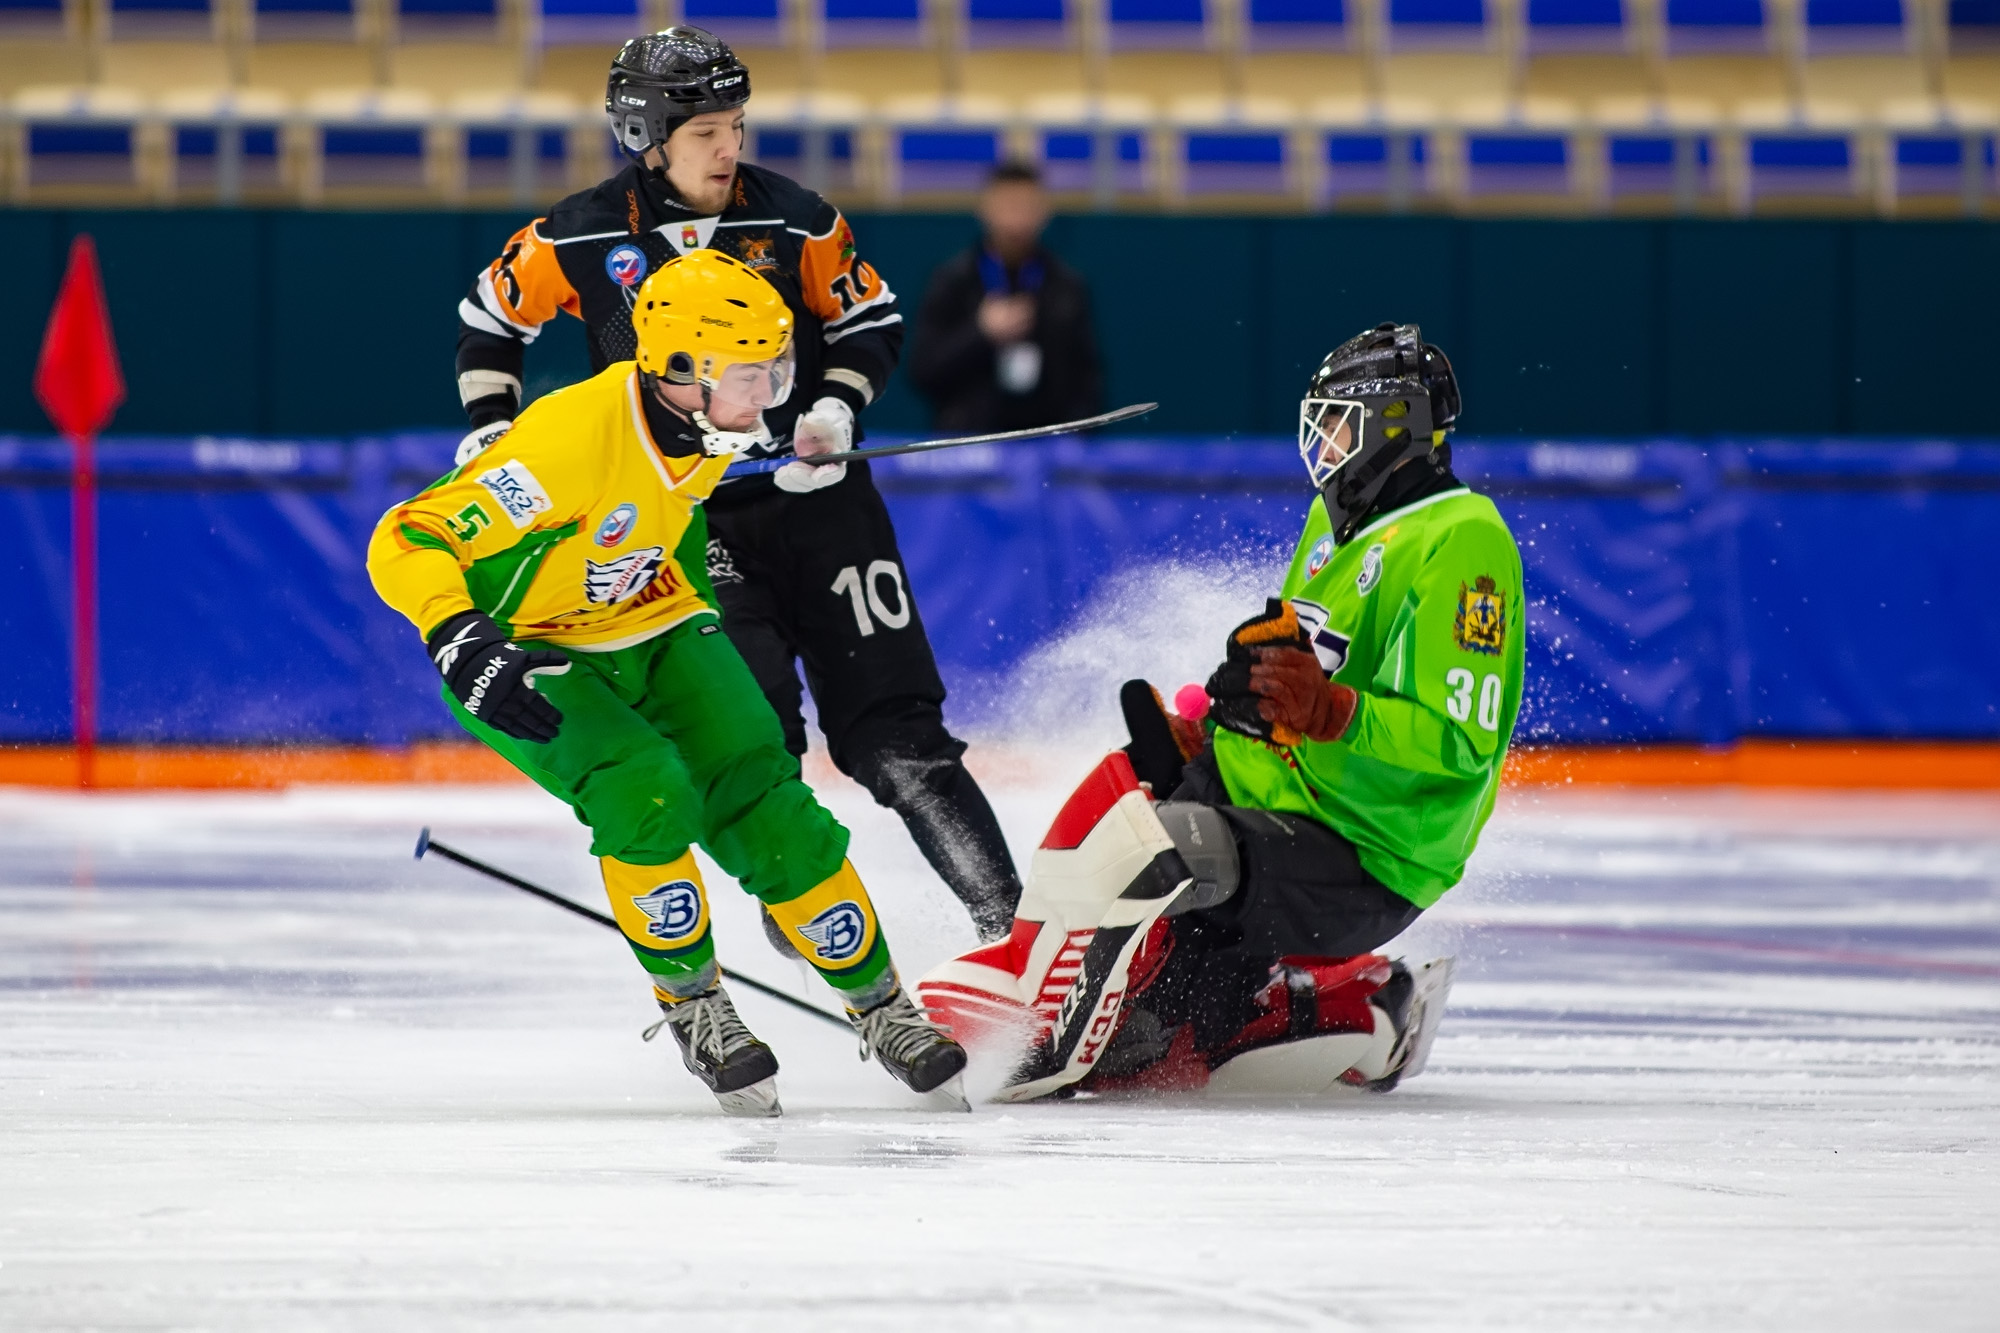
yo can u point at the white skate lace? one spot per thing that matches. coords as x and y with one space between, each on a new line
896 1029
709 1023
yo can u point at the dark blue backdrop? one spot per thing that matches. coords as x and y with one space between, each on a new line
1677 593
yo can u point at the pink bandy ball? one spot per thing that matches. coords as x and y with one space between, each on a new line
1191 702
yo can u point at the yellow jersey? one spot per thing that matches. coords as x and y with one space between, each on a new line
563 529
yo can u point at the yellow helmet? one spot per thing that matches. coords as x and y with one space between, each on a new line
707 319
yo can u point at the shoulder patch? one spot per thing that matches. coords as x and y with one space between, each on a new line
1481 623
516 490
1316 559
1371 570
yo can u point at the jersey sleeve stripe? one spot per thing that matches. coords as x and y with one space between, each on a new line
882 297
835 335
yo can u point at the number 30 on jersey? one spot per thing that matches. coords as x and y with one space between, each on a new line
1458 702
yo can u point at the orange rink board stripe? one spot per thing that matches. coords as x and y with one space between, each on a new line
1961 766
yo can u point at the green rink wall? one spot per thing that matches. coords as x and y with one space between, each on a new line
321 323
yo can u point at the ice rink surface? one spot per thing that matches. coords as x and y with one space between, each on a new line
1715 1061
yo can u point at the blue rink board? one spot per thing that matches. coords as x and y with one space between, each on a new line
1676 592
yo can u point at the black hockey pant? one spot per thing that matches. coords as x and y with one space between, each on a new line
817 580
1301 890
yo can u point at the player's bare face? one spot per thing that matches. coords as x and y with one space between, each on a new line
701 159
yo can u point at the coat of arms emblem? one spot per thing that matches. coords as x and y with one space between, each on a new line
1481 623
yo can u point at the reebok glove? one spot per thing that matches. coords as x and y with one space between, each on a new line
827 429
492 677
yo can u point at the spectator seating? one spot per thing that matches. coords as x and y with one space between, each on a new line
80 143
150 45
1241 151
1658 152
42 42
1099 147
224 147
1369 153
939 145
302 44
1021 48
1162 49
442 47
1528 149
1446 51
516 148
369 146
815 138
1939 153
1790 152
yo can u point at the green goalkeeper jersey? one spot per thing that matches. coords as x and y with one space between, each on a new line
1421 613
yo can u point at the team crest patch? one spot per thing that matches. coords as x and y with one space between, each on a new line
837 933
757 253
626 264
690 236
1481 623
1329 646
1371 570
518 493
615 581
617 525
674 909
1316 559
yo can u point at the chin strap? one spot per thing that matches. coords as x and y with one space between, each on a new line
715 442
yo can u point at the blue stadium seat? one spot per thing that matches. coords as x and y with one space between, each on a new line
1292 25
1933 163
447 20
1716 26
373 142
1517 161
743 22
1231 148
80 137
1577 25
814 140
1132 25
225 146
515 145
1974 24
944 146
873 22
1082 159
1856 25
33 20
1019 23
585 22
1659 162
302 20
159 20
1365 162
1439 25
1801 162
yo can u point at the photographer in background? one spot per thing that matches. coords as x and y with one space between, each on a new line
1004 340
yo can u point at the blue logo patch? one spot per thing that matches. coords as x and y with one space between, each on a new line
1322 552
675 909
616 525
837 932
626 264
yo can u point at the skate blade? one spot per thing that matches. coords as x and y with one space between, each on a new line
760 1100
948 1096
1433 988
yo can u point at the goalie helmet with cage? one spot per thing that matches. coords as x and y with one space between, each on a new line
661 81
1379 399
708 320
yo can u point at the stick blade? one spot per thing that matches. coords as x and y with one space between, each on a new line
423 841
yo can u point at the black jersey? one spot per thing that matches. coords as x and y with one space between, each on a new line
591 252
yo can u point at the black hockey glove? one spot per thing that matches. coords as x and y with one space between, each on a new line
1233 703
493 677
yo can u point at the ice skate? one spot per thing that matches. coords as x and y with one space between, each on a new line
923 1059
1414 1002
720 1051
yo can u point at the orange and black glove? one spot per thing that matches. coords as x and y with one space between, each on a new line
1234 703
1295 696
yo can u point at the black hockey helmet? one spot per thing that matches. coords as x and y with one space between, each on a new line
1379 399
661 81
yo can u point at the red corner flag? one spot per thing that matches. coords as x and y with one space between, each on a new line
77 380
78 384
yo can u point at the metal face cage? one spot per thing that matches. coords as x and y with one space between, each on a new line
1329 435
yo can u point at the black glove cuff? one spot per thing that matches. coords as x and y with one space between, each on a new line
466 632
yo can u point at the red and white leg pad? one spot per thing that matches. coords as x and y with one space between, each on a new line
1103 874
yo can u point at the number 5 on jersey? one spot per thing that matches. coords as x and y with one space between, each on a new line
865 592
1459 701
